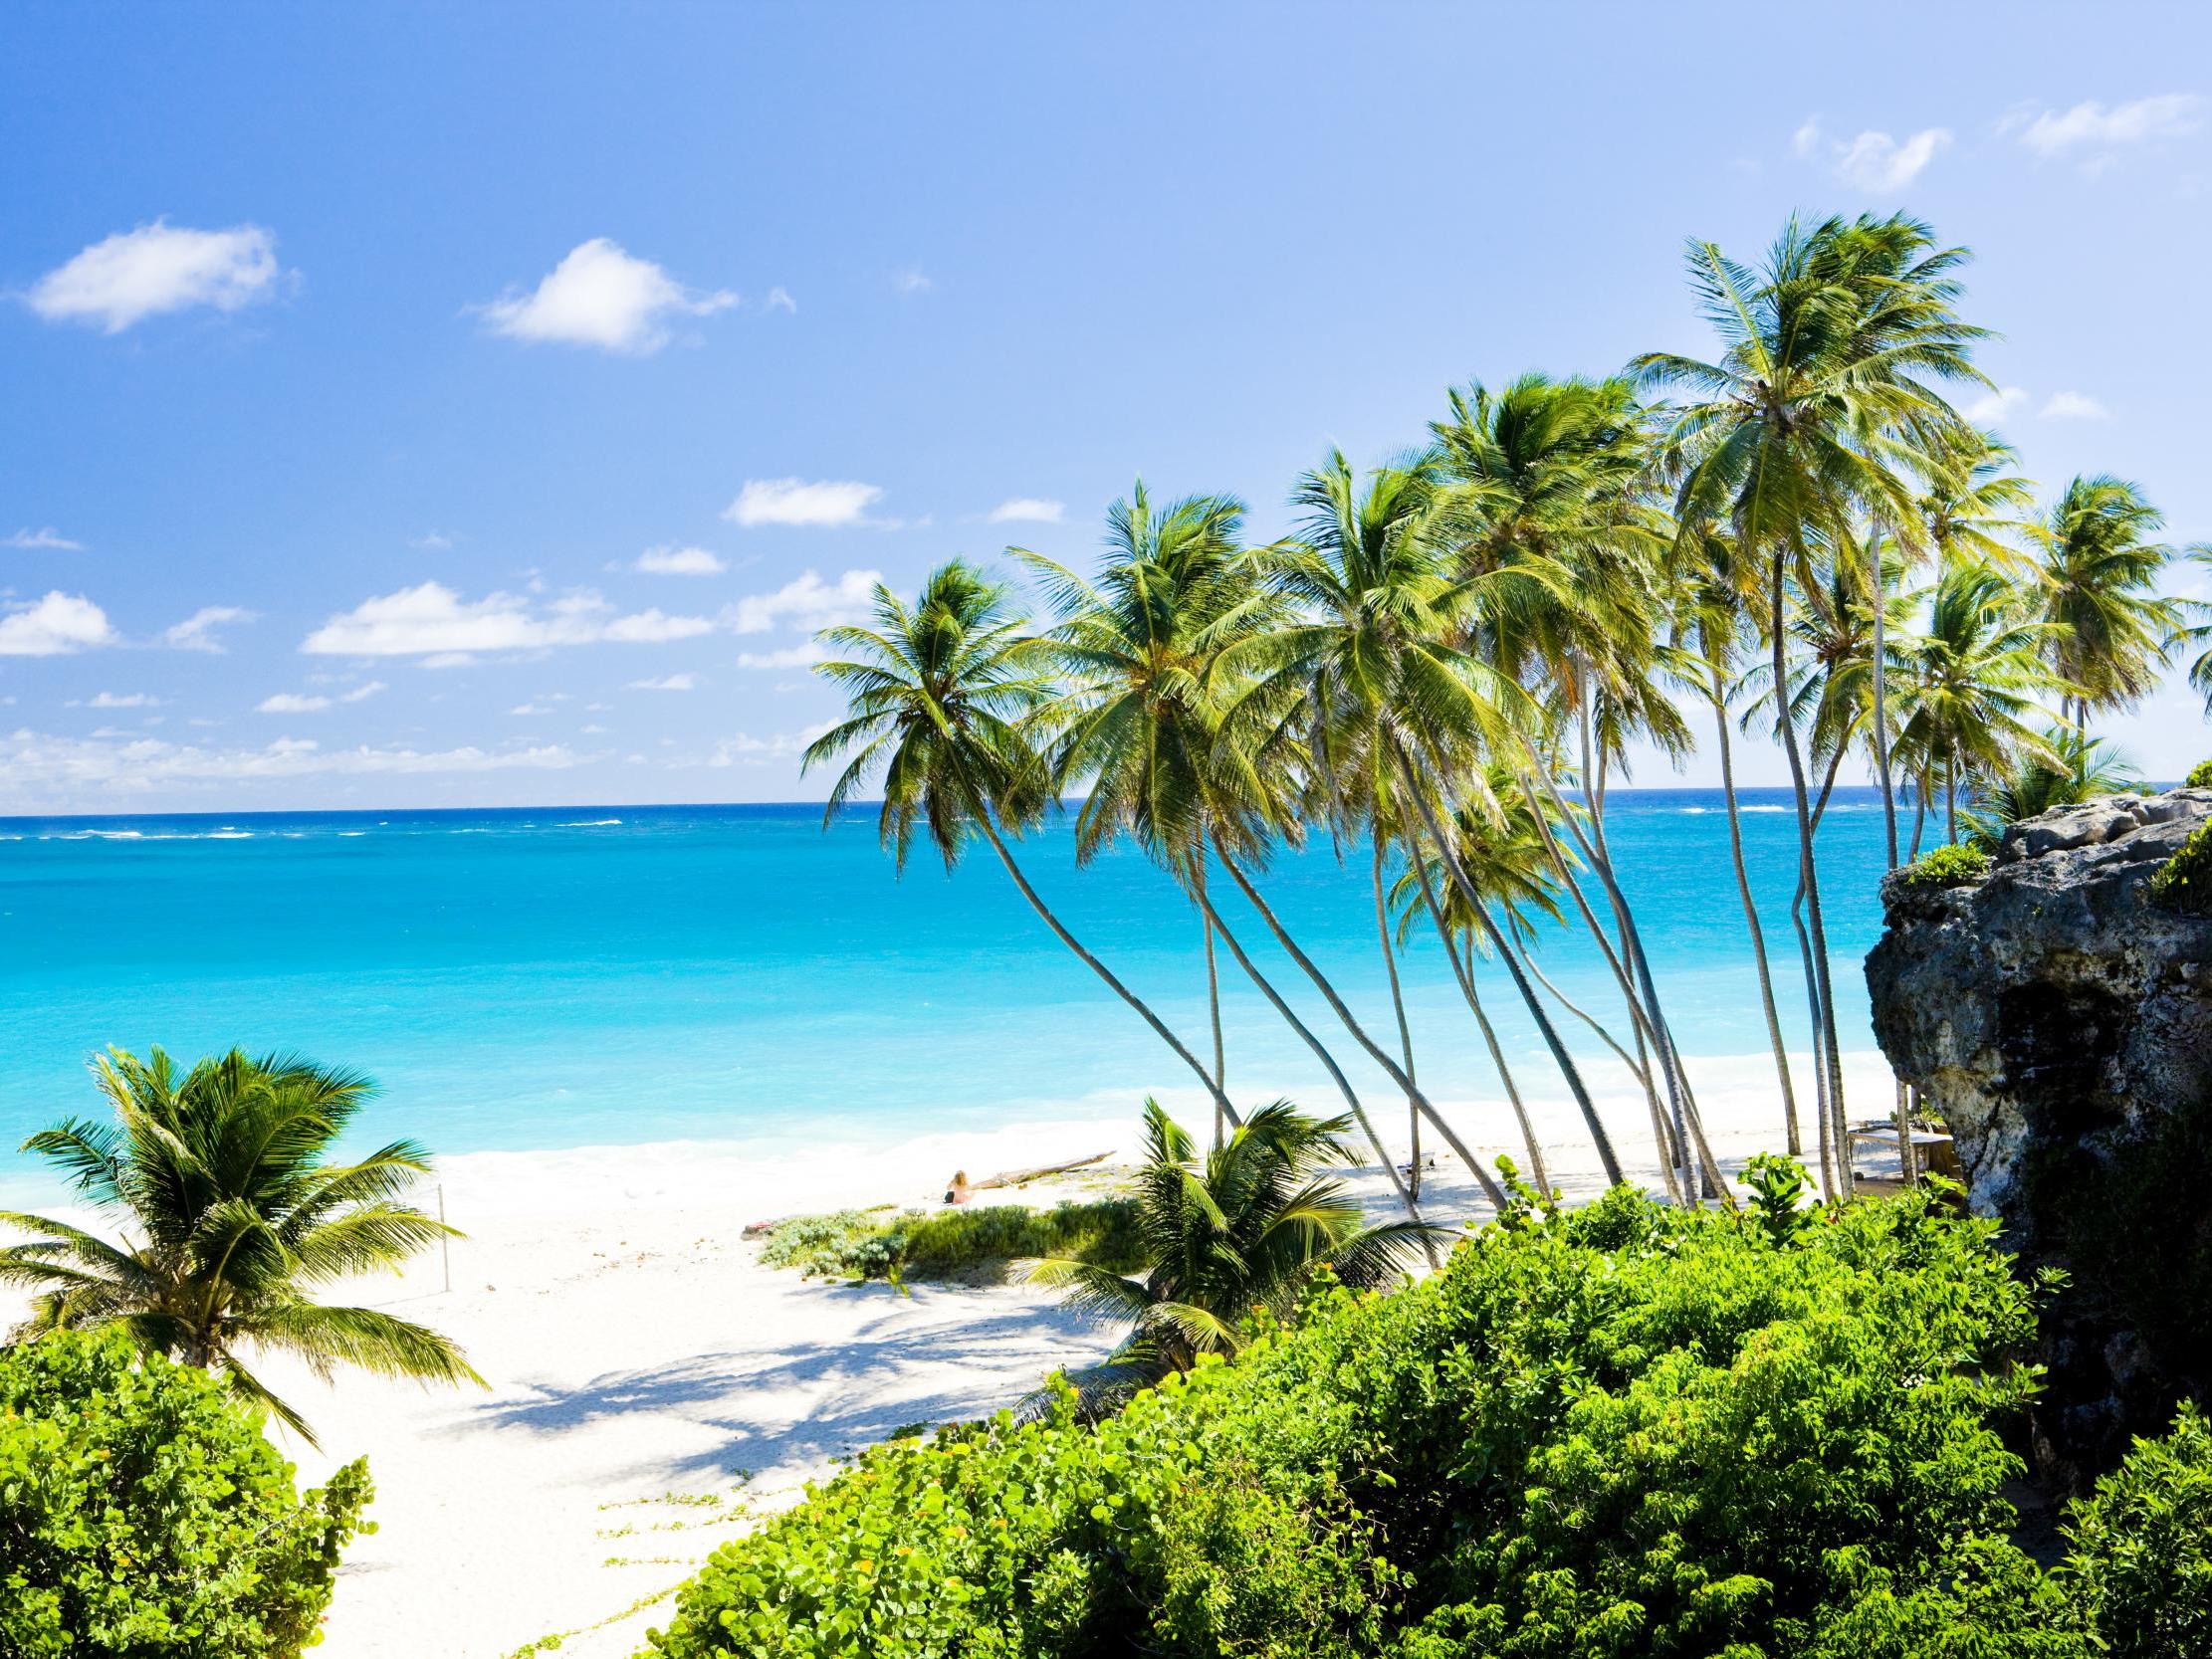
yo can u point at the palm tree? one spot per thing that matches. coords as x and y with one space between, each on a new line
2097 566
943 696
1819 385
1973 673
2198 633
2074 770
218 1184
1239 1233
1972 505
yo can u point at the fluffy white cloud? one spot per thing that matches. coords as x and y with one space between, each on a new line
2093 131
802 654
291 703
54 626
361 693
680 561
806 602
432 621
125 700
667 682
600 295
197 630
792 500
1880 164
158 268
2074 406
32 760
1027 509
1991 408
46 539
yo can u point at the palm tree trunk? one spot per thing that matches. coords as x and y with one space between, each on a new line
1212 1003
1751 920
1374 1051
1328 1062
1550 1033
1397 1003
1466 976
1881 701
1044 912
1808 871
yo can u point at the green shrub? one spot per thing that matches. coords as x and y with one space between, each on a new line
143 1512
2184 882
1621 1430
1947 866
2201 776
2142 1562
868 1244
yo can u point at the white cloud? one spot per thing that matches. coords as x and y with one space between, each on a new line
806 602
909 279
125 700
134 764
197 630
2093 131
802 654
1880 164
432 621
1027 509
530 708
431 541
361 693
46 539
54 626
792 500
680 561
600 295
1806 140
667 682
2074 406
1992 408
158 268
779 299
291 703
745 749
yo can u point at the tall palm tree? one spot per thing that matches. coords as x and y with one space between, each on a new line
1972 505
2097 568
1822 381
2187 635
1240 1232
943 696
218 1181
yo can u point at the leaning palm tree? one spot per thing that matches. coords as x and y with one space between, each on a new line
2097 566
218 1182
1238 1233
944 695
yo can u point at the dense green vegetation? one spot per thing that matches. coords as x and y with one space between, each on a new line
2141 1566
1623 1430
143 1512
2200 776
222 1173
981 1239
1952 864
2184 882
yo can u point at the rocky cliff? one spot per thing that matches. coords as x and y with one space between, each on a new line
2062 1028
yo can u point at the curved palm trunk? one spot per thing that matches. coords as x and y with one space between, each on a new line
1751 921
1826 1140
1336 1073
1550 1033
1044 912
1464 973
1881 701
1212 1006
1376 1052
1808 869
1397 1006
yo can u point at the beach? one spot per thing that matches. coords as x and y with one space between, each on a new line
654 1388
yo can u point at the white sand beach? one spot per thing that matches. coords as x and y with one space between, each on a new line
654 1386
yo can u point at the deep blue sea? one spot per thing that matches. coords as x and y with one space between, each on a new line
574 976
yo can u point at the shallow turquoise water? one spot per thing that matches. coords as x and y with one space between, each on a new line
574 976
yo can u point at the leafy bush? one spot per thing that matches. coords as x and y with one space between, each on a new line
2142 1548
2184 882
2201 776
1948 866
143 1512
867 1244
1623 1430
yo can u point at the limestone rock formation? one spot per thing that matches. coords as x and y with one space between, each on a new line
2062 1028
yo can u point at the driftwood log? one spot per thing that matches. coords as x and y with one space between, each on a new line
960 1188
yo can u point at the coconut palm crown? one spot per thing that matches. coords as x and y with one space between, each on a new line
218 1180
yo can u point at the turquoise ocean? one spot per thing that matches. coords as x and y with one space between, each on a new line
571 976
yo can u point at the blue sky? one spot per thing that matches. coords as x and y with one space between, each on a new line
438 405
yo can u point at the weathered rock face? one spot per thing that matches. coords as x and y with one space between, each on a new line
2062 1028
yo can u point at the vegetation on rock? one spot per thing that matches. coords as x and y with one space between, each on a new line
1952 864
2184 882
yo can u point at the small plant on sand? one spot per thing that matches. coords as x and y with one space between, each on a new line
1948 866
982 1239
217 1179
